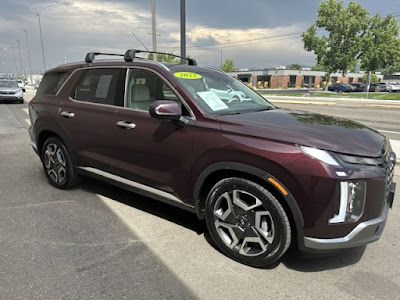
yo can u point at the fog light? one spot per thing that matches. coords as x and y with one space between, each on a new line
351 202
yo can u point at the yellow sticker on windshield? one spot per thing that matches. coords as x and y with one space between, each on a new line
187 75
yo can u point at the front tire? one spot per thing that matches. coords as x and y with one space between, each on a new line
57 164
247 222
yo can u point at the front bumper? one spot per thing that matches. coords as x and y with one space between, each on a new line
364 233
10 98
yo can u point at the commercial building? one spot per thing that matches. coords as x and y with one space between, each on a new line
293 78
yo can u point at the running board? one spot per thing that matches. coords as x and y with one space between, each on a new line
137 187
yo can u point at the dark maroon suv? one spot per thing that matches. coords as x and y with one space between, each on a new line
262 177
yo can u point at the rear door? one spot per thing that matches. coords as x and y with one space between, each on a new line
88 116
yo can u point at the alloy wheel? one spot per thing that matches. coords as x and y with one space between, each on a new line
55 163
243 223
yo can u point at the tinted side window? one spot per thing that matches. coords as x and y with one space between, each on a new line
144 87
104 86
52 82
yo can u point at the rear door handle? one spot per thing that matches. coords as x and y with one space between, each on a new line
127 125
67 114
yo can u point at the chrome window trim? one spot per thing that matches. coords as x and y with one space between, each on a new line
192 115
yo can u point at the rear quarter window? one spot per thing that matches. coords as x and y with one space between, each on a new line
52 82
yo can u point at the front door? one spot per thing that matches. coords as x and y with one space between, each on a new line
152 152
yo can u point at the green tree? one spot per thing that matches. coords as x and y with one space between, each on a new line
228 66
165 58
373 78
380 45
338 50
295 67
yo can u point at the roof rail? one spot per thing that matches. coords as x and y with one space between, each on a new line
91 55
130 56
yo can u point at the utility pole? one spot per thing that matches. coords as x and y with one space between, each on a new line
29 55
153 25
183 31
20 58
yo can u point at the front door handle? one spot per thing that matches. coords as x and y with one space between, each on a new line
67 114
127 125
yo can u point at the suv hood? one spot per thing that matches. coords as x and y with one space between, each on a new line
308 129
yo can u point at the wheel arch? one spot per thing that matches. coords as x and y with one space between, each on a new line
46 133
217 171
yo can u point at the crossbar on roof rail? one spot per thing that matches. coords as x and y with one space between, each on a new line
130 55
91 56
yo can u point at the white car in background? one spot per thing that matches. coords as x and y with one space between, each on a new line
229 95
21 84
394 86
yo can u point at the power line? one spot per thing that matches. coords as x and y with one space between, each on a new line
296 33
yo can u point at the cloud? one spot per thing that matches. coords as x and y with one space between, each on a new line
71 28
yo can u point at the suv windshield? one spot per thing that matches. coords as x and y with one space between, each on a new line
8 84
219 93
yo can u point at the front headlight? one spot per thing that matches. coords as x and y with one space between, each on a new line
351 202
19 94
321 155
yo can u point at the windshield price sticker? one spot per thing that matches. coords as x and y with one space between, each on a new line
212 100
187 75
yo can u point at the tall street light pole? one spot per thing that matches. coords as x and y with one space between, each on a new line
15 59
153 25
20 58
41 40
29 54
183 31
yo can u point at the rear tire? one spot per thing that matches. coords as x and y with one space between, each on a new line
247 222
58 165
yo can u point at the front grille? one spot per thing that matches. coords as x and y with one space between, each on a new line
388 166
6 93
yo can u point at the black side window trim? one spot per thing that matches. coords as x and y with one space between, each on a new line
119 87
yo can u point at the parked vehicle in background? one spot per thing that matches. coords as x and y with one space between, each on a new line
358 86
262 177
21 84
380 87
228 95
394 86
340 87
10 91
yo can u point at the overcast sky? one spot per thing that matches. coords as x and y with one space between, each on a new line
254 33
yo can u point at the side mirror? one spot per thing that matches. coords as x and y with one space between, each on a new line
165 110
23 90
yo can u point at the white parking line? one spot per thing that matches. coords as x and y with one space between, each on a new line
387 131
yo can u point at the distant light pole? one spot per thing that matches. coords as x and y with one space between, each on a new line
29 55
15 59
41 41
153 26
20 58
139 40
183 31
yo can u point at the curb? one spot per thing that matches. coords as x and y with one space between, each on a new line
308 98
